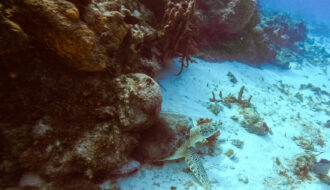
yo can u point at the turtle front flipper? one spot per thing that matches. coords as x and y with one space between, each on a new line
195 164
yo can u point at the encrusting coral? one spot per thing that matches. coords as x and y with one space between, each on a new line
57 25
110 26
140 98
74 138
12 38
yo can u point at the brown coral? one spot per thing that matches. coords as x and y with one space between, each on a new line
105 18
254 123
232 99
178 32
140 98
237 15
56 25
12 36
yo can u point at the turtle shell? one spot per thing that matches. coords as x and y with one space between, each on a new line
164 138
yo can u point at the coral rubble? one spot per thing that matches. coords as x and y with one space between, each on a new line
253 123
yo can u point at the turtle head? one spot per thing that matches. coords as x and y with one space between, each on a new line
208 129
203 131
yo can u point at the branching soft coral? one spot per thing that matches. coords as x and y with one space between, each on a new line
177 32
232 99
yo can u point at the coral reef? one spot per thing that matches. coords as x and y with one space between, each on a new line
224 19
281 31
98 122
98 35
59 121
140 99
57 26
229 33
238 30
77 89
123 28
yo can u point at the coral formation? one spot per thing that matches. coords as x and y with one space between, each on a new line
76 138
297 169
59 28
123 29
253 123
58 121
140 99
214 108
227 101
177 32
12 38
237 30
229 33
303 165
281 31
222 19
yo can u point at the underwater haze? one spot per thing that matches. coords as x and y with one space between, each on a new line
308 10
165 95
314 13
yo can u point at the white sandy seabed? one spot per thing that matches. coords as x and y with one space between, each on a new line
253 166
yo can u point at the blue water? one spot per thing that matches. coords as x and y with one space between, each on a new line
311 11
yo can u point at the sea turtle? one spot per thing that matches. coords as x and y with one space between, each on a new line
187 151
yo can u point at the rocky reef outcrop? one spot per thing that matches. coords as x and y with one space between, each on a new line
93 129
74 104
238 31
57 26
